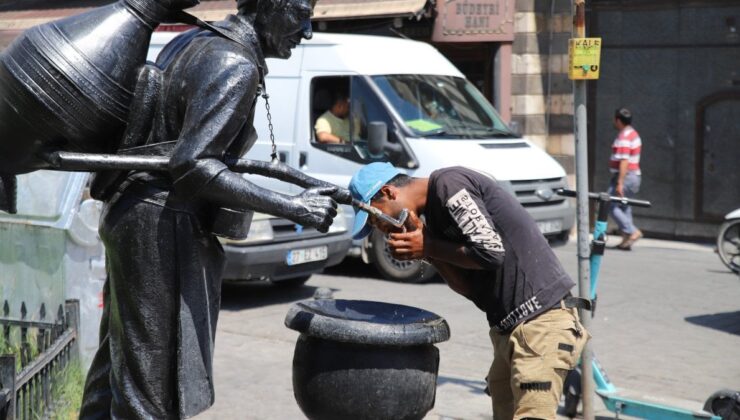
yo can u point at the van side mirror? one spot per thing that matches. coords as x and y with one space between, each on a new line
377 139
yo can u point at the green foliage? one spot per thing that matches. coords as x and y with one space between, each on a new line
67 392
67 384
11 345
5 347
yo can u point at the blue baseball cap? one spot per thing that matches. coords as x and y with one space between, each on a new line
363 186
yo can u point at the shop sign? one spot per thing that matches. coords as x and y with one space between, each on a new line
474 21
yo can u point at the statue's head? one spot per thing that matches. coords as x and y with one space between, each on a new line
280 24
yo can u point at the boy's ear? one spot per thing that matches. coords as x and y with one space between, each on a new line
388 192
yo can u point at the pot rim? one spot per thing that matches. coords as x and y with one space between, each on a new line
367 322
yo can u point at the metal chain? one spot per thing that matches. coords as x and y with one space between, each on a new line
266 97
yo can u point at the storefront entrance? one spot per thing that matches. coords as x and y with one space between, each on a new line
475 61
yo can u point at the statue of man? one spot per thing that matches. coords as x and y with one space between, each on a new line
163 289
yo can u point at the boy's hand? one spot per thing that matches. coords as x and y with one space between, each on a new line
410 244
413 222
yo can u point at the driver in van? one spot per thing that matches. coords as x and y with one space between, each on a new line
428 102
490 250
333 125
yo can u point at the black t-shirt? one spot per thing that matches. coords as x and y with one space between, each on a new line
521 275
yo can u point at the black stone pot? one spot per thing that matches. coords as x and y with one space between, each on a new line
365 360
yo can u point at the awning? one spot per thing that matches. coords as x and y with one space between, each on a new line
326 9
216 10
342 9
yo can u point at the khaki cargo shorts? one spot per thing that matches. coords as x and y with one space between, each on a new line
530 364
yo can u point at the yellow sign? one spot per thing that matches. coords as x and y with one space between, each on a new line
584 55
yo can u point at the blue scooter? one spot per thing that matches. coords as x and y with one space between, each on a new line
618 401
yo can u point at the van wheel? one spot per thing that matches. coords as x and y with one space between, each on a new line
397 270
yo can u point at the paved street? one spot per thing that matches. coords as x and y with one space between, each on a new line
667 324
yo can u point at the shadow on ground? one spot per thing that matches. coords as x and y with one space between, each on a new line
246 296
235 297
728 322
720 271
579 415
475 387
353 267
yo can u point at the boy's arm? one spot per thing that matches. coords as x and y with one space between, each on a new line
416 243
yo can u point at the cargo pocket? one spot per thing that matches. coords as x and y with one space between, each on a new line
572 337
558 340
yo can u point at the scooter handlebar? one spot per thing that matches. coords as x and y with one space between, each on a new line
611 198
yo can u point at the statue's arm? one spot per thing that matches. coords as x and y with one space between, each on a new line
220 94
283 172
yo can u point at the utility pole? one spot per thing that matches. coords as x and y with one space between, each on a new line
581 138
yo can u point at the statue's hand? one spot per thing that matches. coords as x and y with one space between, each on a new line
314 207
342 196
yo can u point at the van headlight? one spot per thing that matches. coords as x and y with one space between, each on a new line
339 225
259 231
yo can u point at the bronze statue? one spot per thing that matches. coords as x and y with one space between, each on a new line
164 263
165 141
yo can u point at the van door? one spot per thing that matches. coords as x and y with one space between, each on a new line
336 162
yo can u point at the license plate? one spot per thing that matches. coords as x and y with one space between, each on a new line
306 255
550 226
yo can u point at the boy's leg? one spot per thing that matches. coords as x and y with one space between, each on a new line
499 378
545 349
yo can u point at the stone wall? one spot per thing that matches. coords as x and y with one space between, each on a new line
542 94
675 66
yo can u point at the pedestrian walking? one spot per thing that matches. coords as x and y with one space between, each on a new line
488 249
624 166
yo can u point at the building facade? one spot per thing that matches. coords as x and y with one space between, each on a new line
676 66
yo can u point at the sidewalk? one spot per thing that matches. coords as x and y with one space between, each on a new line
613 240
667 323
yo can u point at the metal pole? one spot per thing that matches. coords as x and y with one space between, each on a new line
584 284
92 162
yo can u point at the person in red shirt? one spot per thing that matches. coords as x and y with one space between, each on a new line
624 165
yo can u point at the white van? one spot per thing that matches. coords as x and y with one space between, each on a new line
434 118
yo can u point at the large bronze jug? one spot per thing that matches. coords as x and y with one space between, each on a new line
67 85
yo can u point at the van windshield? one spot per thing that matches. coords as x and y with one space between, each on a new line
442 106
